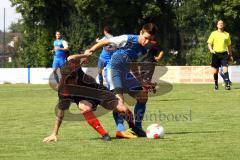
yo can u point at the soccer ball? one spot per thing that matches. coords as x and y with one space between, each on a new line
155 131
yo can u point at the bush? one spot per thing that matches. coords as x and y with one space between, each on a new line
198 56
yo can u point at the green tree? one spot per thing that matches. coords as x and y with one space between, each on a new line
197 18
184 25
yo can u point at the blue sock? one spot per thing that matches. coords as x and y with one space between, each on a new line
226 77
139 111
100 79
222 75
119 122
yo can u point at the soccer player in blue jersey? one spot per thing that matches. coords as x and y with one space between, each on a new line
60 49
125 76
105 55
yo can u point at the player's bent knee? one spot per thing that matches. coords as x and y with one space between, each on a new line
215 70
85 106
121 108
55 71
100 71
225 69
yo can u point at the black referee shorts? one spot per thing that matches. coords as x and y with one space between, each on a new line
219 59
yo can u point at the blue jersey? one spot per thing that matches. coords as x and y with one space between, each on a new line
128 50
128 44
59 53
107 51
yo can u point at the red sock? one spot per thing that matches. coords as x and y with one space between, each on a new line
93 121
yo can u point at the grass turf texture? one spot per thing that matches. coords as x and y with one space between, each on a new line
27 116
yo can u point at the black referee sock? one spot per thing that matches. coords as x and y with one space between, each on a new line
216 78
226 76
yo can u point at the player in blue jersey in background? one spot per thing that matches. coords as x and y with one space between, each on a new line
105 55
125 76
59 59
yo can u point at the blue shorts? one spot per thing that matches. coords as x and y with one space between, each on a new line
122 80
107 76
104 58
58 62
102 63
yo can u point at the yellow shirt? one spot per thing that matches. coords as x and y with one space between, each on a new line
220 41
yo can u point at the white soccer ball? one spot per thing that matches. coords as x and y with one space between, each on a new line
155 131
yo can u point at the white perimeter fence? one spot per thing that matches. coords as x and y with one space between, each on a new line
171 74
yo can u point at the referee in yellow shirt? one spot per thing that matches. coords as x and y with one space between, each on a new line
219 44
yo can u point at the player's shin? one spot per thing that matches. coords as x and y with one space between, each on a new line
93 121
129 118
100 79
139 111
226 77
215 76
119 121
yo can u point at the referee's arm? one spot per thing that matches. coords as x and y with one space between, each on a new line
230 50
210 48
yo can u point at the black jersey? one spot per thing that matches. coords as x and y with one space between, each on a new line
152 51
77 86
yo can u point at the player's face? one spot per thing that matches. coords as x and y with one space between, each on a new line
220 25
58 35
144 38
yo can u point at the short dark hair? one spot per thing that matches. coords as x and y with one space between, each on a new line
150 28
219 21
107 29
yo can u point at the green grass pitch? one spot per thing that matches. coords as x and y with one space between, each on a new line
200 124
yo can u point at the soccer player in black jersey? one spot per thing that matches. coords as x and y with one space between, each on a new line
76 86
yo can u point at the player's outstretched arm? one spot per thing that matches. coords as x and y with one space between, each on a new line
58 122
160 56
99 45
78 56
98 39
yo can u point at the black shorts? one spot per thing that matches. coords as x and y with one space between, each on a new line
147 70
219 59
76 86
65 102
94 94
